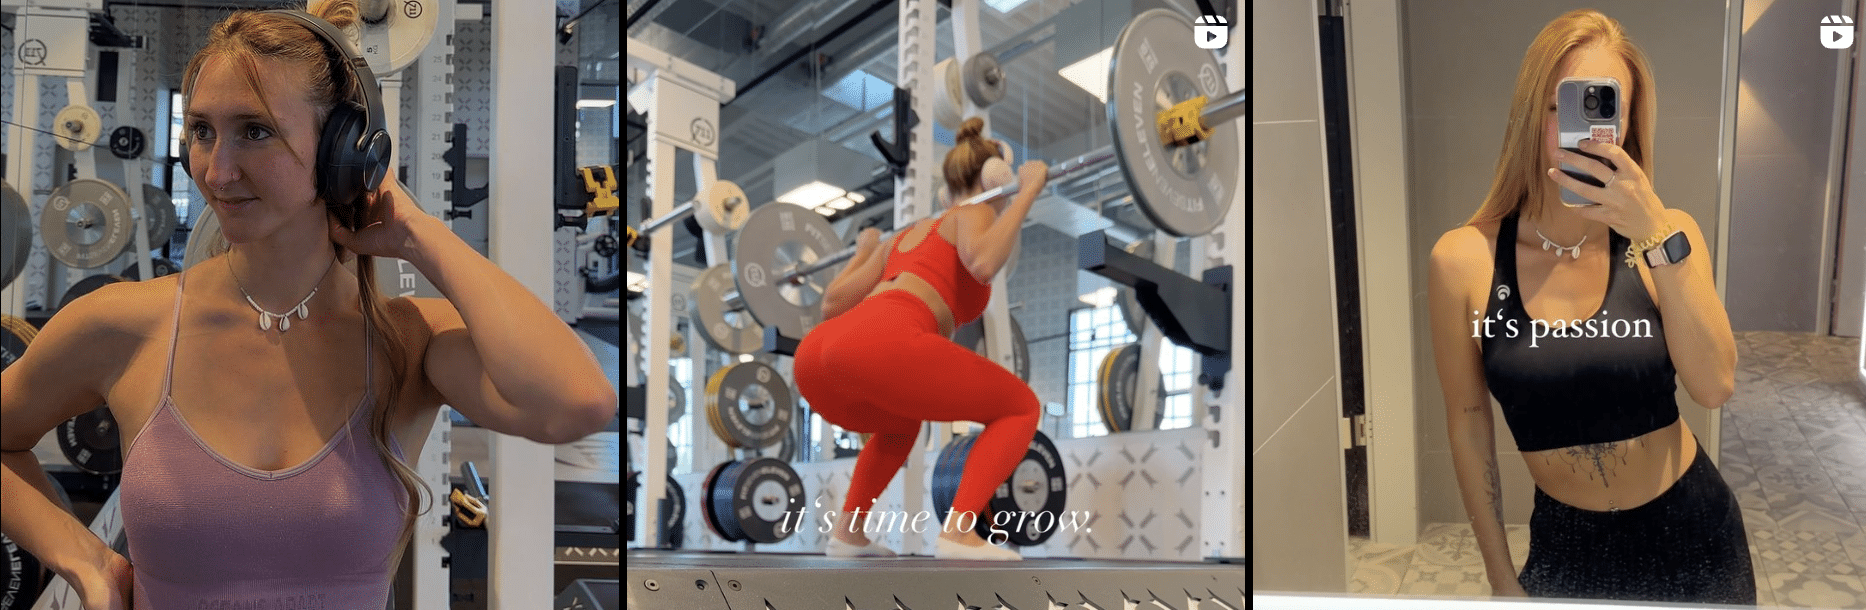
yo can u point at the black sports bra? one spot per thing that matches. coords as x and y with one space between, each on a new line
1607 378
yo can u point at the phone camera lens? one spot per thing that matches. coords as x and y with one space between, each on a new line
1591 102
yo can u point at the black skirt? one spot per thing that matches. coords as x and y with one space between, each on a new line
1687 545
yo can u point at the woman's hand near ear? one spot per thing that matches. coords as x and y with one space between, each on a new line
388 225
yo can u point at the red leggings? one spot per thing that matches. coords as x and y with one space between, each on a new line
883 367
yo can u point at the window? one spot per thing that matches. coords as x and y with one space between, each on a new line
1093 333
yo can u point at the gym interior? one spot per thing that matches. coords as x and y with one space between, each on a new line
1388 117
768 140
96 193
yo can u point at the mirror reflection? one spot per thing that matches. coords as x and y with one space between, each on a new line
1621 359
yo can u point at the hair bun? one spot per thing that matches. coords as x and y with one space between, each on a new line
972 128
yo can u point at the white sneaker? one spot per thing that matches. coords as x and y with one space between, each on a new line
947 549
838 548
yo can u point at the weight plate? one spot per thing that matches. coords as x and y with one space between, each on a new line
1030 500
984 80
713 505
410 30
91 443
722 208
161 267
972 335
1186 190
948 109
161 213
731 331
749 404
88 285
15 234
778 239
77 127
751 499
785 450
21 576
673 515
1130 305
1119 379
15 335
86 222
127 142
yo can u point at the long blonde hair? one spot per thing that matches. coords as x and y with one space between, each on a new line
245 37
1520 178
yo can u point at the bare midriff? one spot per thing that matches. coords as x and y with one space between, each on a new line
1619 475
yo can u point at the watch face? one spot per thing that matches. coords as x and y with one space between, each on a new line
1677 246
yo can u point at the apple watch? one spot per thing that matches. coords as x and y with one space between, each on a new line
1675 248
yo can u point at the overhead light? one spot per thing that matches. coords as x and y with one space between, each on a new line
1100 297
817 171
824 210
811 194
840 203
1005 6
595 103
1091 73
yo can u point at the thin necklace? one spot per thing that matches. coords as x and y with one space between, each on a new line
266 317
1559 249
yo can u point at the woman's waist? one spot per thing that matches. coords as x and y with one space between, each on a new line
909 284
1616 475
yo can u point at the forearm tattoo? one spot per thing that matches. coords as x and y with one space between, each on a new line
1493 484
1595 459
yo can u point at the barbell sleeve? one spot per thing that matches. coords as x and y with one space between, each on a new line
1224 109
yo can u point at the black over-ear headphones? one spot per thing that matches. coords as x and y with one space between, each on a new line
353 149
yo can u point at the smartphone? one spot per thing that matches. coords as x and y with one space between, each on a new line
1587 108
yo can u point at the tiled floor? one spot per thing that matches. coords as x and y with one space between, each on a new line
1794 450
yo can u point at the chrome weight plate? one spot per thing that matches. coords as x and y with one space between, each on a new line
749 404
86 223
733 331
777 240
1119 378
984 80
971 336
15 234
1185 190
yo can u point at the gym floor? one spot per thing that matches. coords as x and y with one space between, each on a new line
768 580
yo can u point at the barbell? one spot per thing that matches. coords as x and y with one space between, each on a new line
1182 172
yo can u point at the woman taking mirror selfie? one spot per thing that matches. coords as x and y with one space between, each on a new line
1580 301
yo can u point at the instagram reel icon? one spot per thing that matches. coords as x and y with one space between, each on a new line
1836 31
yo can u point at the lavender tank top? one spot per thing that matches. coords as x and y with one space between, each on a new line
206 533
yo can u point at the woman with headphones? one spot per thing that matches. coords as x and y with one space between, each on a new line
271 398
